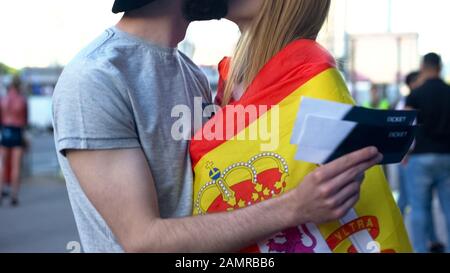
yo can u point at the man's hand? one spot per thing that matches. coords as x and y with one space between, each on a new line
329 192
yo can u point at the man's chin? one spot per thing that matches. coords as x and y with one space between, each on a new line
203 10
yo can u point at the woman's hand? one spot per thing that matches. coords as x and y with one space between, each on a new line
328 193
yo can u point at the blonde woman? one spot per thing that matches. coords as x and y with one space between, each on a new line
276 63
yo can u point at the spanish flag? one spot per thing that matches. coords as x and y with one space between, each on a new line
234 170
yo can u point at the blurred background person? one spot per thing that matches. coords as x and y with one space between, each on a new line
14 119
428 167
413 81
378 99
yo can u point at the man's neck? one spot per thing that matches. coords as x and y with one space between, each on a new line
431 75
164 26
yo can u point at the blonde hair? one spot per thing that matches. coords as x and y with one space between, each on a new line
279 23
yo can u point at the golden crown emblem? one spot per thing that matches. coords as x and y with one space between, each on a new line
242 184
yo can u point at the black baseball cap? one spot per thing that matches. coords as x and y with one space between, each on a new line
127 5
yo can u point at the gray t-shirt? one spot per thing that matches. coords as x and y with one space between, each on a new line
118 93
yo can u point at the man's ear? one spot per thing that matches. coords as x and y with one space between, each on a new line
202 10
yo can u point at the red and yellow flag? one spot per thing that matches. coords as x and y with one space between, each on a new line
233 171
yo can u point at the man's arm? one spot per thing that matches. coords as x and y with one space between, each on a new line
120 185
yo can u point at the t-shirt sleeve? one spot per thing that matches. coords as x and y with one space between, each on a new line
92 111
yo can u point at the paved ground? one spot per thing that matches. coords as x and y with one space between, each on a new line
42 223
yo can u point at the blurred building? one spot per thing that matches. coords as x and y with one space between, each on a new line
381 58
5 80
334 35
39 84
40 81
187 47
212 74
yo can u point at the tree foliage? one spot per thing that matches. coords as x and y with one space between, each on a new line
4 69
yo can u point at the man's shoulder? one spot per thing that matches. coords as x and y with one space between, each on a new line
446 86
98 54
84 76
420 91
425 89
92 66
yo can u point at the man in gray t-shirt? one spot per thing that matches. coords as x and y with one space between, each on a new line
105 100
129 179
118 93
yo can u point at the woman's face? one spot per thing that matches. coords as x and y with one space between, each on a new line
243 12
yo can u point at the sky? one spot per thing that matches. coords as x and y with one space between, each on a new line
47 32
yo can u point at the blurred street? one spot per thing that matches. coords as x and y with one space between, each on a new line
44 221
